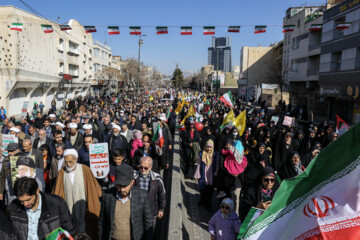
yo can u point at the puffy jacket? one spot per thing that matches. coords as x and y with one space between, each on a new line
156 192
54 214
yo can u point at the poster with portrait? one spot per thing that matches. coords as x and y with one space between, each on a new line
22 166
99 160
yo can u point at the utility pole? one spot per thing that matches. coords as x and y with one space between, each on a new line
177 81
138 77
217 71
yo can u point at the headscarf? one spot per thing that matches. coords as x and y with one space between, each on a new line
228 202
297 167
207 157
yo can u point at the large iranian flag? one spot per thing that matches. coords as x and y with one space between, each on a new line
59 234
227 99
321 203
158 138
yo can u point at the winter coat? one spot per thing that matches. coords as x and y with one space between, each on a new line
224 229
54 214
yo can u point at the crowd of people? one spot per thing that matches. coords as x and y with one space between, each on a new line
54 186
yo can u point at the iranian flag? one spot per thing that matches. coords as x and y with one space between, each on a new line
186 30
288 28
135 30
234 29
112 30
344 25
227 98
210 30
253 214
59 234
159 140
90 29
65 27
16 26
323 202
260 29
47 28
168 113
161 30
341 126
315 27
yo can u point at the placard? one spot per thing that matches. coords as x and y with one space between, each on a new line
99 160
6 140
288 121
24 109
21 170
275 119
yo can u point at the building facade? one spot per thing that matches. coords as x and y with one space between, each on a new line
301 56
219 54
340 62
39 67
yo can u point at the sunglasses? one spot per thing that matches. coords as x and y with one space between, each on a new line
269 180
225 207
145 168
192 128
146 141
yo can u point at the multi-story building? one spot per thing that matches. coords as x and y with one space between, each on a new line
301 56
219 54
37 66
340 62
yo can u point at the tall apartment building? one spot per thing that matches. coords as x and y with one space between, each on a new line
301 56
340 62
219 54
37 66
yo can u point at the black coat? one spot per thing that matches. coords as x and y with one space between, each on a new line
139 153
6 230
78 142
141 218
54 214
188 140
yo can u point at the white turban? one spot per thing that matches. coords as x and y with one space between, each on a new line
71 151
87 127
14 129
52 116
73 125
60 124
116 126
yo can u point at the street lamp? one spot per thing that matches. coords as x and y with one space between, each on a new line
138 80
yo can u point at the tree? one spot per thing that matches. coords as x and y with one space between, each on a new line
108 77
177 77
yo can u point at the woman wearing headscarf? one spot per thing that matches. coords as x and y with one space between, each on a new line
208 135
310 155
191 140
260 193
205 171
292 167
224 224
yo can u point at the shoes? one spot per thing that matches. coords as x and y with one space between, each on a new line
221 194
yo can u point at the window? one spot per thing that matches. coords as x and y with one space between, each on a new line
357 59
96 52
90 53
61 45
336 61
61 68
298 23
73 48
338 33
96 67
294 66
73 70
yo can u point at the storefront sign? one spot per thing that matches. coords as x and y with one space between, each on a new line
333 91
99 160
353 91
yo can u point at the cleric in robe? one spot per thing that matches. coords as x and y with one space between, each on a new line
77 185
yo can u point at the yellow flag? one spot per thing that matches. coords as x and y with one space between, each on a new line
230 117
179 108
204 99
190 113
151 98
240 122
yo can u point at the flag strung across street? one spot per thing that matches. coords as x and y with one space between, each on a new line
135 30
161 30
288 28
209 30
65 27
17 27
186 30
112 30
90 29
323 202
341 126
260 29
47 28
234 29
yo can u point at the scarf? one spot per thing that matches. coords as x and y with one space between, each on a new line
75 192
207 157
297 168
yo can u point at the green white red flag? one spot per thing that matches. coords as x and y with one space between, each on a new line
260 29
227 98
315 27
158 138
59 234
113 30
186 30
234 29
16 27
341 126
344 25
209 30
47 28
288 28
168 113
323 202
253 214
135 30
90 29
65 27
161 30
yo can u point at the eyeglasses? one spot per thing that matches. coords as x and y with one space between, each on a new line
146 141
145 168
225 207
269 180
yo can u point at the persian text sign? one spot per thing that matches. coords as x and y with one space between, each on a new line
6 140
99 159
288 121
24 109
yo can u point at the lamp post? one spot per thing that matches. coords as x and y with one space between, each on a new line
138 77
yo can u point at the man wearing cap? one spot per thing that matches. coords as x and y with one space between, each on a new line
81 191
125 209
117 141
74 137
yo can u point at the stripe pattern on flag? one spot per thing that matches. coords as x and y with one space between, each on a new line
288 28
260 29
209 30
161 30
315 27
16 27
90 29
135 30
65 27
47 28
186 30
344 25
113 30
234 29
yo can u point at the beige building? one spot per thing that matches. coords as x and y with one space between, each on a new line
37 66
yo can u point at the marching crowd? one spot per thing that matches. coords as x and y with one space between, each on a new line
55 187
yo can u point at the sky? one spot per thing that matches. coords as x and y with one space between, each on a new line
165 51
